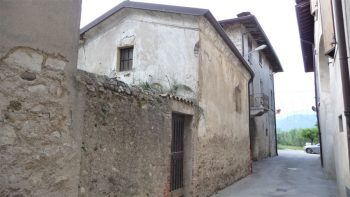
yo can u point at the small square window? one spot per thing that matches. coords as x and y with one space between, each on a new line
126 58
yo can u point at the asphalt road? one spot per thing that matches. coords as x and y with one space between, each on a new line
291 174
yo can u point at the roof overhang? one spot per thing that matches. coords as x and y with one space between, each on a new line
306 33
253 27
144 6
172 9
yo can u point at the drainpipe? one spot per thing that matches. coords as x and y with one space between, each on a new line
316 97
274 113
249 122
343 59
249 119
317 113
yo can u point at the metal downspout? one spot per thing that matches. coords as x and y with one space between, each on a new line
249 122
316 97
249 119
274 113
343 61
317 114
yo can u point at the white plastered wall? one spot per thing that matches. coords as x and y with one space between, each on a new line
164 48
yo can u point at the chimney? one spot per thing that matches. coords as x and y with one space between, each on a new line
242 14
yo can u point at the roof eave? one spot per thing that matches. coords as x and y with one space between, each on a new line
144 6
276 67
228 41
172 9
306 33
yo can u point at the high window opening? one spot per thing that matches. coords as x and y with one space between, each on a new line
126 58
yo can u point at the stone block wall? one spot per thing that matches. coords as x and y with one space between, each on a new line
93 136
126 140
39 141
38 155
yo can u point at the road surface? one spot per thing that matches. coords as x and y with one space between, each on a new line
291 174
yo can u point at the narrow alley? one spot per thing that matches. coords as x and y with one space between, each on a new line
291 174
174 98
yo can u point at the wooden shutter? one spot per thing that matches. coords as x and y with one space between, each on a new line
327 26
313 6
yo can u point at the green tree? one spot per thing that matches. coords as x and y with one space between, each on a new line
293 138
310 134
298 137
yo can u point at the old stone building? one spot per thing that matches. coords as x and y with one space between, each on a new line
252 42
161 108
175 51
324 38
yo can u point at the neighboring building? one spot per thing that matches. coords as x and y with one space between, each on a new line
173 47
252 42
324 28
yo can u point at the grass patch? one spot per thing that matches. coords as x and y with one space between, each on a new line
283 147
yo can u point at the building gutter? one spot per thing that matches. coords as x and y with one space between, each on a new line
343 59
249 122
316 71
172 9
306 33
228 41
274 114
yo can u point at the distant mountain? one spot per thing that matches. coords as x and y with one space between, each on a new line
296 121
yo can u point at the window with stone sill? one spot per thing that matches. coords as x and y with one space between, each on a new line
125 58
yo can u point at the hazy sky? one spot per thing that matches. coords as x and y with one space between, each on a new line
294 89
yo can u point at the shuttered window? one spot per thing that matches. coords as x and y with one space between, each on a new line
327 26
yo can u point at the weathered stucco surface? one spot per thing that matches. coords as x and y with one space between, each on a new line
39 142
98 137
186 50
331 106
222 145
262 128
164 48
50 26
326 113
38 154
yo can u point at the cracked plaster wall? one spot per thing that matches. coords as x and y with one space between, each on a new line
263 139
223 126
39 142
164 48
